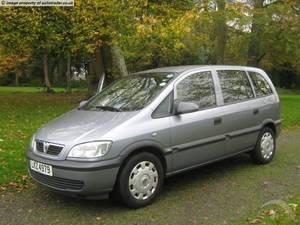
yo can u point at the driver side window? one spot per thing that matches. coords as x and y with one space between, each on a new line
197 88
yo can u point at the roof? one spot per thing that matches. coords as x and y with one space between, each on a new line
181 69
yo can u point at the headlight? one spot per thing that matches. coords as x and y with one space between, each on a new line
32 143
90 150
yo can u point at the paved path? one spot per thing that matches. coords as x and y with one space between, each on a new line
221 193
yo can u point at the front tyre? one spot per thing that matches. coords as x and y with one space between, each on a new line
265 147
140 180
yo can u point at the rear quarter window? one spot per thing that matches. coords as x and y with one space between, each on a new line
235 85
261 86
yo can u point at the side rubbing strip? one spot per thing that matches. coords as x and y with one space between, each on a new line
244 131
204 141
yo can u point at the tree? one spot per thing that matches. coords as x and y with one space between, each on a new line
15 25
220 32
111 38
254 55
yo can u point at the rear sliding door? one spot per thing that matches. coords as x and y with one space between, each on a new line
240 112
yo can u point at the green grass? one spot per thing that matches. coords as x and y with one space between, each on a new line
290 110
288 91
20 116
13 90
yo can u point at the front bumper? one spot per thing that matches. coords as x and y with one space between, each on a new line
78 179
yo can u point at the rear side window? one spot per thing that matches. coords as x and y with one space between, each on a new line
261 86
235 85
197 88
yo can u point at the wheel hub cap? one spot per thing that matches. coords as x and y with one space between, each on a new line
267 145
143 180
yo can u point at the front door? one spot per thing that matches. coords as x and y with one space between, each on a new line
197 137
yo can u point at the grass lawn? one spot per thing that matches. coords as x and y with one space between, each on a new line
290 110
13 90
21 115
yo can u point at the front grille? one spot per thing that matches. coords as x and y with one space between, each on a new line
54 150
40 146
57 182
51 150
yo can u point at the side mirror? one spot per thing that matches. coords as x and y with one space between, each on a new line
82 103
185 107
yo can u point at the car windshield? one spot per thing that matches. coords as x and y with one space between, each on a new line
131 93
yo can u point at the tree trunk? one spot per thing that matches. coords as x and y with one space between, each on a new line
90 77
54 71
96 72
254 45
68 73
46 74
17 76
220 33
155 57
108 62
99 69
119 60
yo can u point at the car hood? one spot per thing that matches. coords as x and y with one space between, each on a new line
82 126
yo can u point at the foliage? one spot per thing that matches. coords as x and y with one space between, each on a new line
151 34
10 62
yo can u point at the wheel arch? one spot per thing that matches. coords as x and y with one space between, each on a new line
145 146
270 124
139 147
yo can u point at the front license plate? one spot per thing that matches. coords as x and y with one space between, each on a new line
41 168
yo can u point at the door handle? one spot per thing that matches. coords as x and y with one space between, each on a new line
255 111
217 121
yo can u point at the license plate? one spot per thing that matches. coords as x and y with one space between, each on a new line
41 168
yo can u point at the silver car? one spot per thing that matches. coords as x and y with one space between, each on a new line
154 124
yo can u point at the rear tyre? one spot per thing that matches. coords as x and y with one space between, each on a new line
265 147
140 180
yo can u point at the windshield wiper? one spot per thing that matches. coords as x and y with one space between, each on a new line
109 108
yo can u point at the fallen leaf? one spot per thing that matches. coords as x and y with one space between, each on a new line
255 221
266 182
271 212
293 206
2 188
24 177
